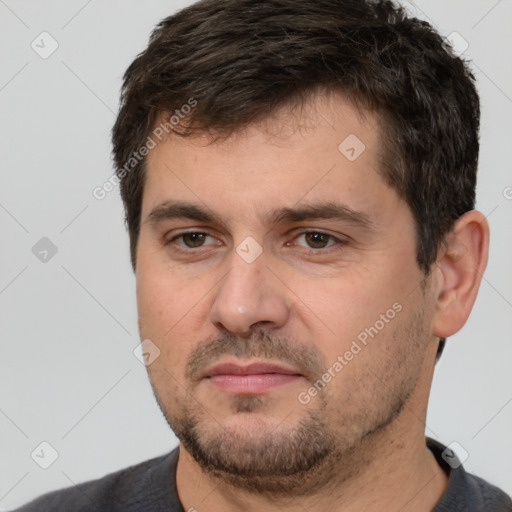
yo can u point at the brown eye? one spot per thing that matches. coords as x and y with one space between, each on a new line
186 241
193 239
317 240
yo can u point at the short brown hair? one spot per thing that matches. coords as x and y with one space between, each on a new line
239 60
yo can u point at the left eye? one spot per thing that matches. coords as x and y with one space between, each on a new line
191 240
317 240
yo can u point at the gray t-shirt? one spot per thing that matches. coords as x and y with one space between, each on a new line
151 487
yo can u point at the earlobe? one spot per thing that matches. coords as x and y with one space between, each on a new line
460 265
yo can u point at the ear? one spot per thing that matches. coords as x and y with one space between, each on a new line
460 265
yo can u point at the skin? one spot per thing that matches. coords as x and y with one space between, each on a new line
369 419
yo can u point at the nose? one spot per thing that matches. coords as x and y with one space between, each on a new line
249 296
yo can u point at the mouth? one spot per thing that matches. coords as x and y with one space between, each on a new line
253 378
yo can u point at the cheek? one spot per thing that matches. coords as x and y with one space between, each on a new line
367 317
348 305
165 311
162 298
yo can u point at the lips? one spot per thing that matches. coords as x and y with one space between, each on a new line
253 378
250 369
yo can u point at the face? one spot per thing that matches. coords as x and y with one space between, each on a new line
277 276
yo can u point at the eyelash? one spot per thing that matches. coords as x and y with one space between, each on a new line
339 242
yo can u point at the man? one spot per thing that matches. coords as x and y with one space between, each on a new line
299 184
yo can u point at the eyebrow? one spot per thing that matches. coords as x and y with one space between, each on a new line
169 210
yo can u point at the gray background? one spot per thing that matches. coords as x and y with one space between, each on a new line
68 374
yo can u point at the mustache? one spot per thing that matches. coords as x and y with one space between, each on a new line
306 359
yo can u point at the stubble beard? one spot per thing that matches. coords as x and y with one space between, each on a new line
323 449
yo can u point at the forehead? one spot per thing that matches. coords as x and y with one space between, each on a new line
325 148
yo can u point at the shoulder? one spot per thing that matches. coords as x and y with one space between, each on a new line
126 489
489 497
465 491
471 493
